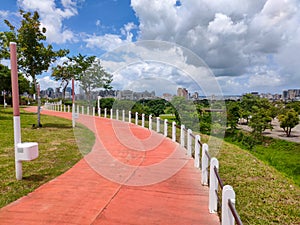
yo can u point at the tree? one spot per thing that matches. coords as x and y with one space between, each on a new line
247 103
233 115
5 84
63 73
34 57
259 122
288 121
94 77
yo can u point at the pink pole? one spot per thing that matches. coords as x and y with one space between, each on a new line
16 109
73 103
14 78
73 91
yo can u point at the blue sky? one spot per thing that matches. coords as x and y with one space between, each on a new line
247 45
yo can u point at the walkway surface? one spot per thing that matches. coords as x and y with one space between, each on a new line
131 176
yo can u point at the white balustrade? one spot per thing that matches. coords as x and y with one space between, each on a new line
197 151
182 135
174 131
213 186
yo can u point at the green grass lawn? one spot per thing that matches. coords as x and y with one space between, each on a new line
283 155
58 151
263 194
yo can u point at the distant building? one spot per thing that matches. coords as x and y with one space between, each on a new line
195 95
131 95
291 94
182 92
167 96
108 93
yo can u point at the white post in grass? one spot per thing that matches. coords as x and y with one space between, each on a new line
166 127
136 118
174 131
197 151
143 120
123 115
129 116
213 186
98 105
64 108
117 114
82 110
87 110
93 110
157 124
150 122
182 135
204 165
68 108
99 112
105 112
111 114
189 143
228 194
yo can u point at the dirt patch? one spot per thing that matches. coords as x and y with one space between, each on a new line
277 132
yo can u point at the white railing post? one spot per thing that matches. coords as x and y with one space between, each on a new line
227 195
61 107
99 112
129 116
64 108
87 110
204 165
197 151
213 186
68 108
117 114
150 122
123 115
166 127
136 118
105 112
182 136
111 113
189 142
82 110
78 109
93 110
174 131
143 120
157 124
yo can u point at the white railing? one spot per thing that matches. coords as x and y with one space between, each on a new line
209 166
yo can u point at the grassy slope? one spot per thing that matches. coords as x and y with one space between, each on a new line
58 152
263 195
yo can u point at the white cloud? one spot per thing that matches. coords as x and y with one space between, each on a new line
52 18
232 36
109 42
222 24
156 64
46 82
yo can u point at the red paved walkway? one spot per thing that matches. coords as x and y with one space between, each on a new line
132 176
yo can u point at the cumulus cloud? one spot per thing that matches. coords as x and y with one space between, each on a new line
109 42
160 65
52 18
232 36
46 82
